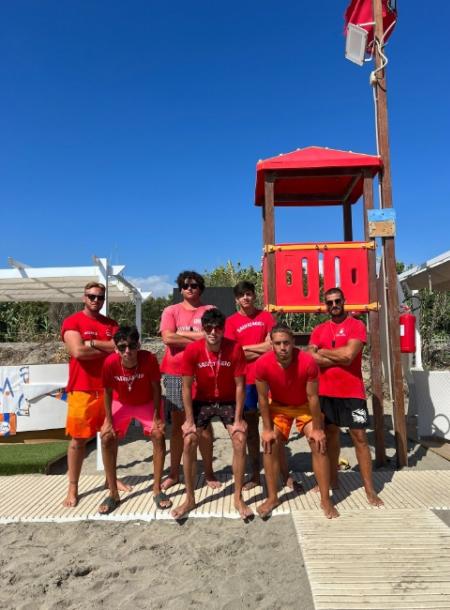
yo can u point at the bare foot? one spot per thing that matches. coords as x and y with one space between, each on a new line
169 482
254 482
72 496
265 509
374 500
329 510
213 483
183 509
121 486
242 508
294 485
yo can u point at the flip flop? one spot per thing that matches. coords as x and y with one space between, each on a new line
110 503
162 497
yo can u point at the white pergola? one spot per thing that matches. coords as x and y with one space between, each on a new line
433 274
66 284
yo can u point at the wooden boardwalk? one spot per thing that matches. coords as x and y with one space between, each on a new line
32 498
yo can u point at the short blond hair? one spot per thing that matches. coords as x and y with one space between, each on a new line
90 285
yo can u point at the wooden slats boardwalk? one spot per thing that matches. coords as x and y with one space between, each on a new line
38 498
383 560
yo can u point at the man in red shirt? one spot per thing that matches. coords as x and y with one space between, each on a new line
180 326
290 377
131 379
250 327
218 366
336 346
88 338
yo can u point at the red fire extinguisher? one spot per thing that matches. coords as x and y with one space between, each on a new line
407 331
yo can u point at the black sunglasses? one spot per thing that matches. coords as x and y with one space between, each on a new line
95 297
333 302
122 347
210 327
192 285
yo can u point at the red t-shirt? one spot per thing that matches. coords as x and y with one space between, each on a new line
86 375
131 386
210 371
287 386
340 381
175 318
249 330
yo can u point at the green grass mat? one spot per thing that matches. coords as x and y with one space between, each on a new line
25 459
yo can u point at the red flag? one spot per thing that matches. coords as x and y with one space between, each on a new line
360 12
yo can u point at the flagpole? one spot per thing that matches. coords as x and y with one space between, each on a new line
388 243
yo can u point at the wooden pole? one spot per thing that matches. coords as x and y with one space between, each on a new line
374 334
348 228
269 234
389 246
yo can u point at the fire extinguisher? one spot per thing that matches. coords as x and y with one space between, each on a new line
407 331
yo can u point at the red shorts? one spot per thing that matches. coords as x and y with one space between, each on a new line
122 414
85 414
283 416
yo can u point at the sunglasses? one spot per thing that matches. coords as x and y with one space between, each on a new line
333 302
209 328
95 297
122 347
192 285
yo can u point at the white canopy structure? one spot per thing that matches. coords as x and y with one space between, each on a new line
433 274
66 284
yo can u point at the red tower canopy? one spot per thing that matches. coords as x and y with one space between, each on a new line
316 176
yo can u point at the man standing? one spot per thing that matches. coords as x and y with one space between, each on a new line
88 338
290 376
218 366
250 327
336 346
180 326
131 379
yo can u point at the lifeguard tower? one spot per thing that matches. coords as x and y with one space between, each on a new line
292 272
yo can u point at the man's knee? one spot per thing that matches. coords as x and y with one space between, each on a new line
157 435
78 444
239 440
191 441
359 438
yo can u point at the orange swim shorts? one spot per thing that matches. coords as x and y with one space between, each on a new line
283 416
85 414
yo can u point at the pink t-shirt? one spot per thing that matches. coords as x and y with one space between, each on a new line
131 386
86 375
249 330
287 386
210 372
177 318
340 381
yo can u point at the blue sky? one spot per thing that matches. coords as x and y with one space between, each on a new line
132 130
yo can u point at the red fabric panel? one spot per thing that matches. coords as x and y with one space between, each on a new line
293 286
361 11
353 276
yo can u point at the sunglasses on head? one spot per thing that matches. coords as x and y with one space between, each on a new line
95 297
209 328
122 347
331 302
192 285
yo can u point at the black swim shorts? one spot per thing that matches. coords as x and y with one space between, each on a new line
345 412
205 411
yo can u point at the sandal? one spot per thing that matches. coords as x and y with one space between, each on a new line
162 497
110 503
